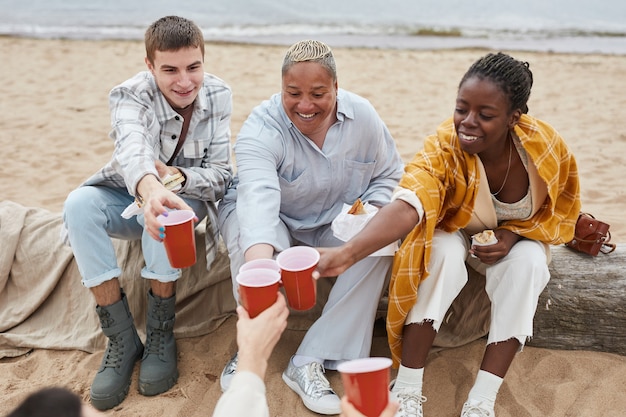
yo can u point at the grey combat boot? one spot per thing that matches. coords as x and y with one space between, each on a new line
110 386
159 371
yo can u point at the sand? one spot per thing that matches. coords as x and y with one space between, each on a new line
54 123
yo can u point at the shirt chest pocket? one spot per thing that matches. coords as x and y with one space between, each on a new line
298 195
358 176
196 149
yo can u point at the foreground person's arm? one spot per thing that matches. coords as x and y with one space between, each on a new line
256 339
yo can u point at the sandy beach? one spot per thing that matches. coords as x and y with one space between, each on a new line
54 123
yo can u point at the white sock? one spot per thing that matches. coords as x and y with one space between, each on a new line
485 388
300 360
409 378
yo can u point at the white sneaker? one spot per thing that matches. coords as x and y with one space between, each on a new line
309 382
410 402
473 408
228 372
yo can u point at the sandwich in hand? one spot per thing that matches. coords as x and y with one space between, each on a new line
486 237
171 181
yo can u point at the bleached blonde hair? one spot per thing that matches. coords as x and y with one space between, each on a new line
310 51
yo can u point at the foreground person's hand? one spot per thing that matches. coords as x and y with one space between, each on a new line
257 337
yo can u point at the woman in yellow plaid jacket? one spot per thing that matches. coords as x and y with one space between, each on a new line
490 166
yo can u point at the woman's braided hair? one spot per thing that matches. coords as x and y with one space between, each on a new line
512 76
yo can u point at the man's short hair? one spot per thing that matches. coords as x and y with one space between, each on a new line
171 33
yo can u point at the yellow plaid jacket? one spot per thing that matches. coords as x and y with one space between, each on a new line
446 180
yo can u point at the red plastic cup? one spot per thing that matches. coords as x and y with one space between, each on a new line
258 289
260 264
297 265
180 237
366 383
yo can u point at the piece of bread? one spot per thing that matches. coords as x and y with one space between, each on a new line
486 237
357 208
172 181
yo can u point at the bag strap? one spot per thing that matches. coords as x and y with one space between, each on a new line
590 240
606 240
607 248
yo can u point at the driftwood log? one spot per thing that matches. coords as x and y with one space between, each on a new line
583 306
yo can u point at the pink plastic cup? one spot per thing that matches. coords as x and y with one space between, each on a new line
366 383
180 237
297 265
258 289
260 264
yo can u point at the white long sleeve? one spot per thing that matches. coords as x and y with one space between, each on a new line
410 197
245 397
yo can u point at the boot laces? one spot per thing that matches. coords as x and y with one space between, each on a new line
154 342
114 352
155 339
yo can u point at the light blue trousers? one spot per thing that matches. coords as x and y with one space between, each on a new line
92 216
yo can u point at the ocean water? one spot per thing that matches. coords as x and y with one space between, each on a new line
578 26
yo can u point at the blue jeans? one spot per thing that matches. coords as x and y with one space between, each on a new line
92 216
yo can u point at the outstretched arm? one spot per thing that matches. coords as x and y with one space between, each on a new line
392 222
256 339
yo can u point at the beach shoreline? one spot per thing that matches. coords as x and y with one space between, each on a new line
582 44
556 26
604 45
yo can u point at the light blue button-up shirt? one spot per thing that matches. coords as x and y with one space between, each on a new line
283 175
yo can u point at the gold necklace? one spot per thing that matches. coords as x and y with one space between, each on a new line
506 176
